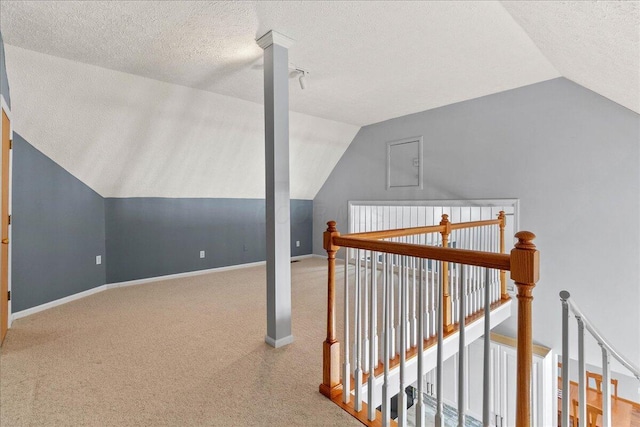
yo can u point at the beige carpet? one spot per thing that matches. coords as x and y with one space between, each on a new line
183 352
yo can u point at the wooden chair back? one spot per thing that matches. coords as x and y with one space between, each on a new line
592 414
597 379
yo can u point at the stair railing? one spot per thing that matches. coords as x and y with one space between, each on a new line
608 351
460 261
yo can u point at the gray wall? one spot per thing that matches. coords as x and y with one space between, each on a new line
58 228
148 237
60 225
570 156
4 82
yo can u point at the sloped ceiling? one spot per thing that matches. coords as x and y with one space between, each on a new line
595 44
368 62
129 136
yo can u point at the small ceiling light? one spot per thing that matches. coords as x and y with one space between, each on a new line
302 75
302 78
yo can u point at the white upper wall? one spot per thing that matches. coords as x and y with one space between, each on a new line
129 136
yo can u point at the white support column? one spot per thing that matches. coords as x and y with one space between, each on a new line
276 118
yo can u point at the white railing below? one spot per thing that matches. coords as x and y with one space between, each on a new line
608 351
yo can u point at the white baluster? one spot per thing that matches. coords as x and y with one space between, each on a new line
435 274
606 388
406 303
392 317
383 332
420 421
439 367
566 396
487 375
358 336
373 355
365 316
402 395
387 321
582 372
414 324
462 383
346 368
472 276
479 271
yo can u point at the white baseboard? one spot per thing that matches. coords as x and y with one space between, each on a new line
55 303
51 304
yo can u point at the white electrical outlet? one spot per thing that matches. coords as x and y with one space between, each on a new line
201 254
98 259
297 243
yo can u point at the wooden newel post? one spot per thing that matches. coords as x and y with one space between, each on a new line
330 386
525 266
446 298
503 274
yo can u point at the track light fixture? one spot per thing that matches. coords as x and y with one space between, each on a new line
301 74
303 78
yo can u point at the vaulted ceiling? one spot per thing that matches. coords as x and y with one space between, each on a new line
368 62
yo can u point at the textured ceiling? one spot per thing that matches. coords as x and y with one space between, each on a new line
368 61
595 44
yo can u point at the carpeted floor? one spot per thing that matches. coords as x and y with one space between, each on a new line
183 352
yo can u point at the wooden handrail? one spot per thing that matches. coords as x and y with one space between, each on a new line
401 232
462 256
473 224
522 262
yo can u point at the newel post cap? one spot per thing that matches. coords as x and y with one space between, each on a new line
447 225
525 260
525 240
503 219
328 236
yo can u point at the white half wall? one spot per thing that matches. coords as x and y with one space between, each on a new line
130 136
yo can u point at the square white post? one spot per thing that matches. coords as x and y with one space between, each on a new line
276 120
